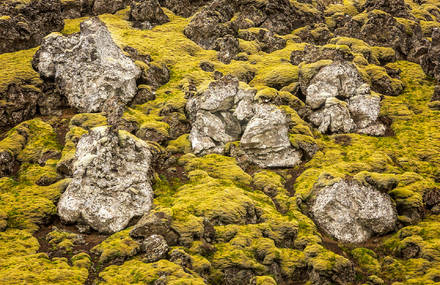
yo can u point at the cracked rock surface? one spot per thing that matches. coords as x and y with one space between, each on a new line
111 182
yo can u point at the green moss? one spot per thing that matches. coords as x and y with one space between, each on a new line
71 26
217 166
118 246
62 241
81 260
276 76
180 145
367 260
17 68
137 272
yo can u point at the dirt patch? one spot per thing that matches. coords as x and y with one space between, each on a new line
387 121
343 140
294 174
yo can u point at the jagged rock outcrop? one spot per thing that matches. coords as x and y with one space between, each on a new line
89 68
340 102
155 248
80 8
379 28
184 8
351 212
155 223
397 8
216 25
430 62
111 181
24 26
226 112
147 13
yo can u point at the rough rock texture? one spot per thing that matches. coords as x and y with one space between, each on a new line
351 212
382 29
155 223
216 23
23 26
147 13
431 62
111 182
312 53
224 113
184 8
397 8
155 248
340 102
91 70
80 8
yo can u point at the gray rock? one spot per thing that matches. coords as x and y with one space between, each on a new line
340 102
351 212
265 139
224 113
155 248
111 182
147 13
89 67
155 223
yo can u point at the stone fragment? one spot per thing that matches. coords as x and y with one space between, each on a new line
111 181
89 67
351 212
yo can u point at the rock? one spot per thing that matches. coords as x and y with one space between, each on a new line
106 6
265 139
155 248
89 68
312 53
216 27
111 181
8 163
382 29
224 113
24 26
267 40
430 62
147 13
436 96
397 8
351 212
155 223
184 8
340 102
72 9
431 198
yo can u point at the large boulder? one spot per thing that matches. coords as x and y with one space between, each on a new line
226 112
147 13
111 181
24 24
351 212
340 102
430 62
89 68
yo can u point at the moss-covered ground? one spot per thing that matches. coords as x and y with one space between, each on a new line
258 216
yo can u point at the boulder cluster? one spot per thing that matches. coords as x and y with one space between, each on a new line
226 112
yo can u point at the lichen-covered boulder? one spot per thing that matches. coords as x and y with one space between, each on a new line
340 101
351 212
89 67
155 248
226 112
111 181
147 13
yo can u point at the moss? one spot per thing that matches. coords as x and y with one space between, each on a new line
117 247
347 7
137 272
265 280
17 68
217 166
180 145
367 260
276 76
81 260
62 241
428 26
308 71
71 26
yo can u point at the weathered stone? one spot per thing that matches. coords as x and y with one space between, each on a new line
89 68
267 40
352 212
340 102
225 113
155 223
184 8
397 8
24 26
155 248
111 181
147 13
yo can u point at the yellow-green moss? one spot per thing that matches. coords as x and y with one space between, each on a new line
367 260
71 26
180 145
137 272
118 246
17 68
63 241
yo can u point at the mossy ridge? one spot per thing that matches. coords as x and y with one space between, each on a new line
138 272
116 248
